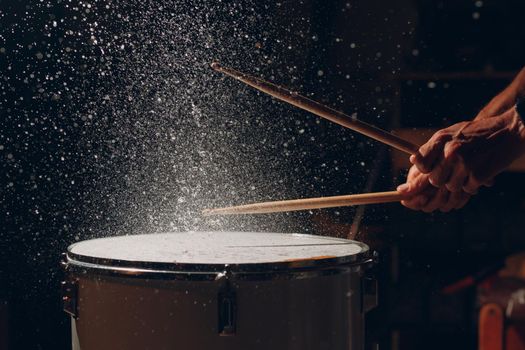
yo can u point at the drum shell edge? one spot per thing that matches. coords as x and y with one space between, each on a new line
311 303
320 311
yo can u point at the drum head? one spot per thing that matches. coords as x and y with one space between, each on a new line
211 251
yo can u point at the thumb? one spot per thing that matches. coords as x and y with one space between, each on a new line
414 186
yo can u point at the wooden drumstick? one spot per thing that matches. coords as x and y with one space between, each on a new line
320 110
309 203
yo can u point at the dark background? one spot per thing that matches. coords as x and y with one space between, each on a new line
111 123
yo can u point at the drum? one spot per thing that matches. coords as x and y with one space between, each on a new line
218 290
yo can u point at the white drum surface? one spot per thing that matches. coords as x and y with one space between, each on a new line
216 247
322 309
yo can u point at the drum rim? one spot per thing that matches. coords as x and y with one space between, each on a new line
133 267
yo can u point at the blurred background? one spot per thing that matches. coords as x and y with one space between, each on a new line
112 123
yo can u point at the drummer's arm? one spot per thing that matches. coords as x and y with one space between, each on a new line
505 99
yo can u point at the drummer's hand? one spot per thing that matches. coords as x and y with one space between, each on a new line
468 155
423 196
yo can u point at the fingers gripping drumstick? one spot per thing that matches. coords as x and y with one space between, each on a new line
320 110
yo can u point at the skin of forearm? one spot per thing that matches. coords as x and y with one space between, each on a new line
506 99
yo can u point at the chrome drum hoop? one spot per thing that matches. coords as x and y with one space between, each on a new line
198 273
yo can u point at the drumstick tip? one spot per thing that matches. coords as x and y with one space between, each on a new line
215 66
206 212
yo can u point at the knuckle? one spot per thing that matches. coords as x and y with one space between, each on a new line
471 185
476 180
435 181
440 134
423 168
469 190
453 186
453 150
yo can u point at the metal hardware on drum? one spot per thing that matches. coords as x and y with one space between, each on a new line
218 290
370 297
70 296
226 301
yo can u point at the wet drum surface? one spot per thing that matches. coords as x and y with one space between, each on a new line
217 247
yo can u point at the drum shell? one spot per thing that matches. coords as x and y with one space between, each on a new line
321 309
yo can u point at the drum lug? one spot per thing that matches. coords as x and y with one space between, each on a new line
70 297
369 285
63 261
369 288
227 306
